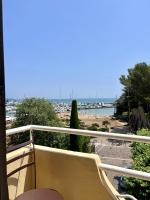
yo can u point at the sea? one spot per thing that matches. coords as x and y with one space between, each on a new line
84 100
98 112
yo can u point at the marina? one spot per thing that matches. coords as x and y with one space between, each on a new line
97 107
88 106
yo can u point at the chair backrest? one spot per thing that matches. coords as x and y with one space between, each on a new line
74 175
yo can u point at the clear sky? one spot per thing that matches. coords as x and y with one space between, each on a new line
79 48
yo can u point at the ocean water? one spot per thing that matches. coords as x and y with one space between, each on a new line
98 112
84 100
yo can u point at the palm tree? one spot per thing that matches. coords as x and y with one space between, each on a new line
3 175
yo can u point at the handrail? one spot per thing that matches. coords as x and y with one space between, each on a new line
126 196
126 172
18 130
132 138
107 135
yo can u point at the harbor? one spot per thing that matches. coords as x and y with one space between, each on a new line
86 104
66 107
97 107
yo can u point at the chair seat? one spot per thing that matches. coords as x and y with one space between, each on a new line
40 194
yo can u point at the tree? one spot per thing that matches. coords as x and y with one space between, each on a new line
121 105
78 143
39 112
75 141
136 90
141 161
138 119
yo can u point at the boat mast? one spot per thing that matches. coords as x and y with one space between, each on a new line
3 173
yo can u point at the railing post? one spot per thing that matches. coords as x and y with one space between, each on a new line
31 134
32 139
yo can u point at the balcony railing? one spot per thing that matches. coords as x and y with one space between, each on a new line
97 134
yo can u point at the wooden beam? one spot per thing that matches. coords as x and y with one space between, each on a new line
3 174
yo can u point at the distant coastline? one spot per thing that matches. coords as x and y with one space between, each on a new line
86 106
84 100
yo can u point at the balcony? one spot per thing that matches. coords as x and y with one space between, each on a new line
76 176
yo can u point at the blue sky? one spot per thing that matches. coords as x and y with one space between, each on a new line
79 48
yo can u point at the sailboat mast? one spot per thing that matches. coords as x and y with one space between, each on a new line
3 173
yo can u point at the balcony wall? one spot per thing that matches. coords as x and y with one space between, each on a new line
23 180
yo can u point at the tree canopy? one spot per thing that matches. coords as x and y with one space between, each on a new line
136 92
78 143
35 111
39 112
141 161
136 87
75 141
138 119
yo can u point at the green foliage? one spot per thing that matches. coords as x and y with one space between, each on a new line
106 123
138 119
94 127
104 129
34 111
141 161
39 112
82 124
136 90
87 147
75 141
121 105
137 84
78 143
124 116
74 121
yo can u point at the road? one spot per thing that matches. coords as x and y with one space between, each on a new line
115 153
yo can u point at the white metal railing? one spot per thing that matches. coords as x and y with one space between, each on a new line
132 138
107 135
127 172
126 196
